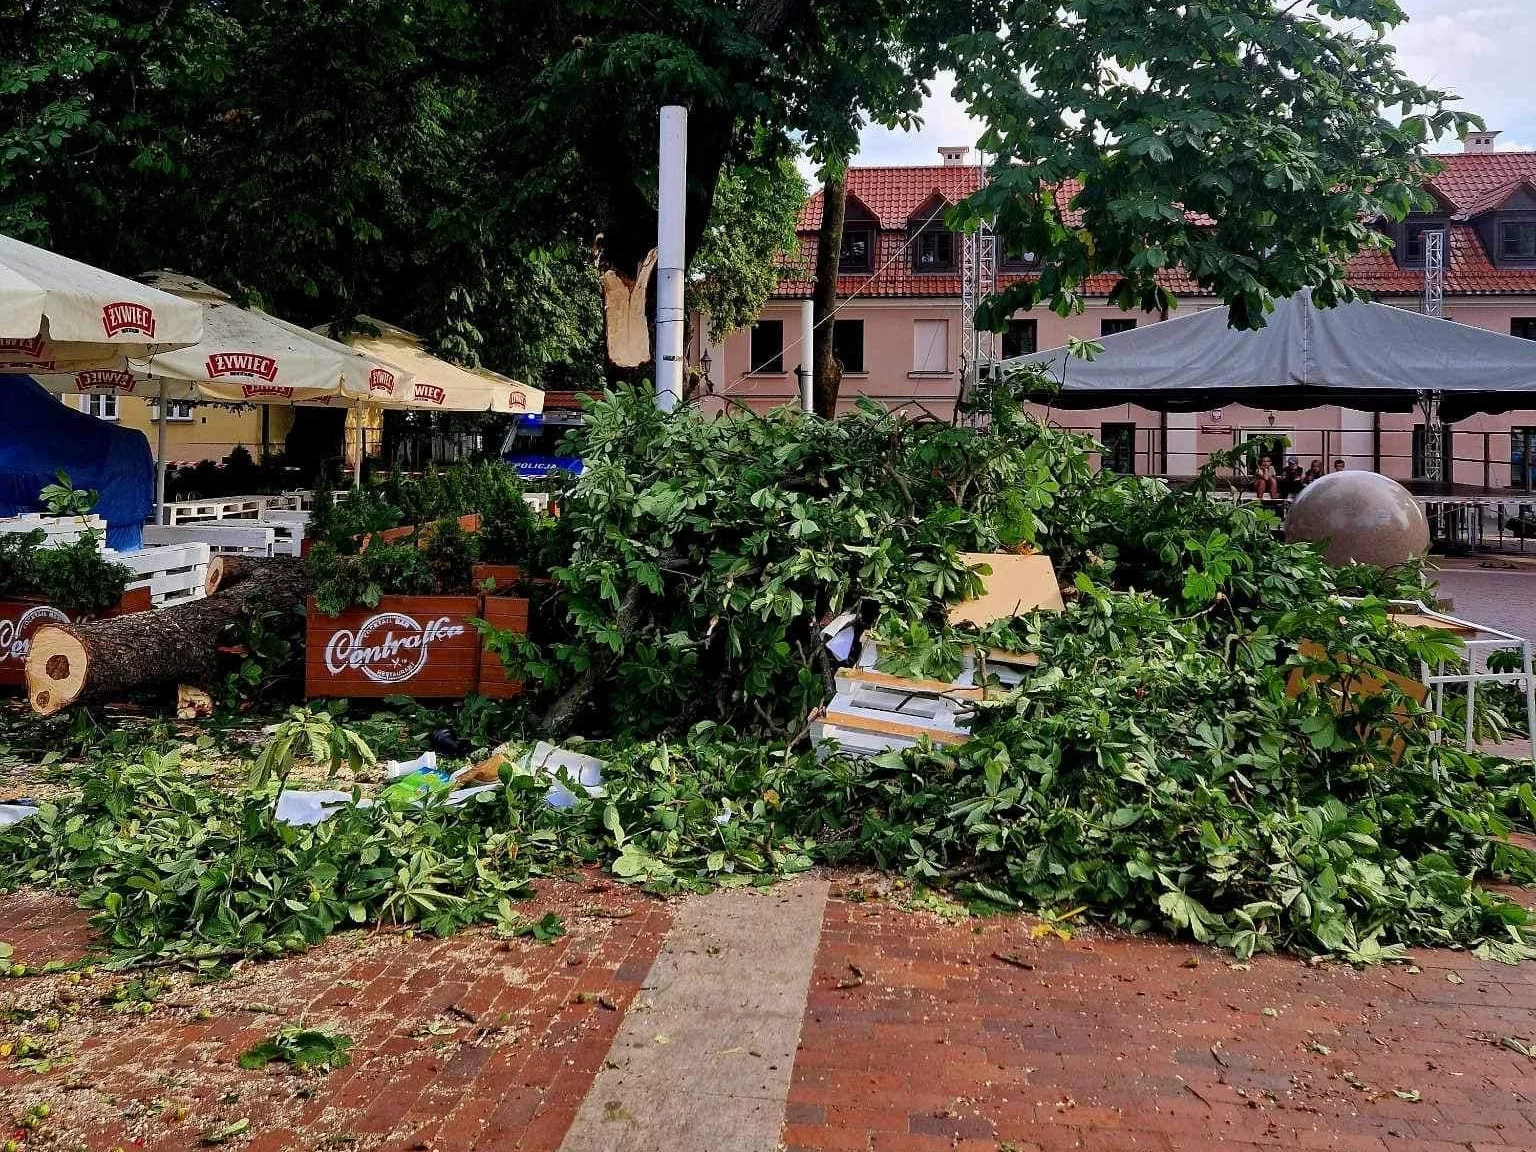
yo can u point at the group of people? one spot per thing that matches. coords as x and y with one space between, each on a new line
1288 483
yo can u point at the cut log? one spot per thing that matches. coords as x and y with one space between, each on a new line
76 663
230 568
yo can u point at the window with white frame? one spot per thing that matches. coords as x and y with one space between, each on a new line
103 406
176 411
930 346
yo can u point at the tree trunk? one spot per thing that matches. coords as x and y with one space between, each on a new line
829 247
228 569
74 663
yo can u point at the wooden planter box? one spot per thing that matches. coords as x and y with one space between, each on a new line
20 616
511 613
505 577
407 646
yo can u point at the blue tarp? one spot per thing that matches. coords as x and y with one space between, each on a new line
39 436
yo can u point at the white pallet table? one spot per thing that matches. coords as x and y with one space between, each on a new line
59 529
230 507
291 526
221 536
172 572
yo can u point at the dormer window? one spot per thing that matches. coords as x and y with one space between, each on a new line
933 251
1411 252
859 231
1517 241
1020 261
931 243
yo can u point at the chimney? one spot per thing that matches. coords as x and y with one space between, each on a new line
954 155
1479 141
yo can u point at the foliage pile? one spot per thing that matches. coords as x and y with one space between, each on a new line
72 576
352 564
1177 762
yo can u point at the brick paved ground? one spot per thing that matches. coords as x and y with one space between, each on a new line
1111 1043
465 1042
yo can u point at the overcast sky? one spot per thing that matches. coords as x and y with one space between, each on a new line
1479 49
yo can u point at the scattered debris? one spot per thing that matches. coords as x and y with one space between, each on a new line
306 1049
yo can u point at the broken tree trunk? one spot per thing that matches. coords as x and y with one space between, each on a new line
75 663
228 569
828 378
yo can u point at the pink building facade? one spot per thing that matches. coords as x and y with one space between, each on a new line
899 326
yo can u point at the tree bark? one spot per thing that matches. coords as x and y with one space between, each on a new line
74 663
228 569
829 247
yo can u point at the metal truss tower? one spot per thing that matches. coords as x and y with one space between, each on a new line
1429 402
978 280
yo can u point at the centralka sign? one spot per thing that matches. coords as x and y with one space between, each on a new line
387 648
17 623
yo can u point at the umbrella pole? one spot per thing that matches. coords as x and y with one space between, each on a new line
160 458
362 446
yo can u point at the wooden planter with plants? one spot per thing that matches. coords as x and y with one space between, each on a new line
20 616
52 571
421 646
504 611
394 604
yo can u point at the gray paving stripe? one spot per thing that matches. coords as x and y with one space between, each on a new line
703 1058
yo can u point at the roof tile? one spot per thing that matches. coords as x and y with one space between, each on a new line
1471 183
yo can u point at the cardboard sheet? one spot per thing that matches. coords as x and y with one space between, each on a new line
1016 585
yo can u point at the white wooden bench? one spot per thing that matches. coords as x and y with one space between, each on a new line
59 529
171 572
247 537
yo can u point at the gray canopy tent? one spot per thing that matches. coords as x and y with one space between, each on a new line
1365 356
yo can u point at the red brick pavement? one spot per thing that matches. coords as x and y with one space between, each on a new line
464 1043
1114 1043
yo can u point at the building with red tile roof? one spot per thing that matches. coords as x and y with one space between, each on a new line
898 329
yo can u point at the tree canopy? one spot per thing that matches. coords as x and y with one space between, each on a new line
464 170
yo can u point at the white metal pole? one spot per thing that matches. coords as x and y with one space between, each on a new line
160 457
807 355
672 191
362 443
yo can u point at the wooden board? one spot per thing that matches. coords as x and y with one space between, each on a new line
1414 620
504 578
21 616
1362 682
511 613
407 646
470 523
1016 585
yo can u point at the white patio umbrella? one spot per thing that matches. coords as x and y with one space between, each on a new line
56 312
244 356
435 384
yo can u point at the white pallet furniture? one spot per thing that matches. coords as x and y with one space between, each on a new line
172 572
1478 642
230 507
59 529
290 525
246 537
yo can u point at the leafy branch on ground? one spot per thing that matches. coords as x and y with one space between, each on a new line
306 1049
1197 752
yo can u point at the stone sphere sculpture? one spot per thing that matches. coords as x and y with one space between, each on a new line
1359 516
